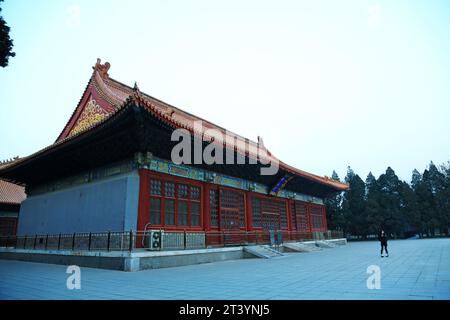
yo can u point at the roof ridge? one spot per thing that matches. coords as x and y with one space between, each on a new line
76 108
72 137
147 99
9 160
148 96
101 82
152 102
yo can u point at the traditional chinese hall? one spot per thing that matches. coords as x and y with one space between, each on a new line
110 169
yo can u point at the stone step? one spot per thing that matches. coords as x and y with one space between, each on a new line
264 252
299 247
325 244
338 242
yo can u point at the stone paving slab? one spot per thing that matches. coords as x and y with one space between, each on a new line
416 269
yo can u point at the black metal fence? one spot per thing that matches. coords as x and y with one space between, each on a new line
94 241
170 240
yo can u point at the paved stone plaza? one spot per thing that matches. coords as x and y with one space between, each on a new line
416 269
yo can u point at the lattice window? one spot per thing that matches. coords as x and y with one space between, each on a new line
195 193
195 214
283 215
183 191
155 187
169 189
256 212
155 211
214 208
155 202
169 211
293 222
173 204
231 209
169 203
301 214
270 215
182 213
317 218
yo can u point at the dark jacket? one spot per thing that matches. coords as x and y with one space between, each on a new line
383 238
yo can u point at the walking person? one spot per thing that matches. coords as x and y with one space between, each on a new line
382 237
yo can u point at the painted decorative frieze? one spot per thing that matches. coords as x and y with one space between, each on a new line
163 166
91 115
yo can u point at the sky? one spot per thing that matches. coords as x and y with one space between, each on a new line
327 84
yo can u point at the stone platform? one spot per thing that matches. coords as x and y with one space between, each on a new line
138 259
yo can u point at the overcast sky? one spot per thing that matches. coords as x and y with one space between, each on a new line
327 84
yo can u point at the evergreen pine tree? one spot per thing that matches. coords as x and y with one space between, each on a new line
410 204
335 219
437 185
409 209
416 179
353 205
389 201
444 199
425 200
394 205
372 209
6 44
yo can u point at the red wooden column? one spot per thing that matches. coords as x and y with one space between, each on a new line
205 208
143 213
143 206
289 214
308 215
324 216
248 210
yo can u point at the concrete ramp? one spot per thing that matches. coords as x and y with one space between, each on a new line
325 244
310 244
299 247
339 242
264 252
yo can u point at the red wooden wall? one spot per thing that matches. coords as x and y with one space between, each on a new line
174 203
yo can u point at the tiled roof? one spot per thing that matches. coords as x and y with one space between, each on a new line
11 193
112 96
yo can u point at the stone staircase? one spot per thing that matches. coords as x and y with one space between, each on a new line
299 247
264 252
267 252
325 244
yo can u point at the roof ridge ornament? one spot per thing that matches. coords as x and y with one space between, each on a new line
136 93
9 160
261 142
169 112
102 69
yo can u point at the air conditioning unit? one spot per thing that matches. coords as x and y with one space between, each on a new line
153 239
